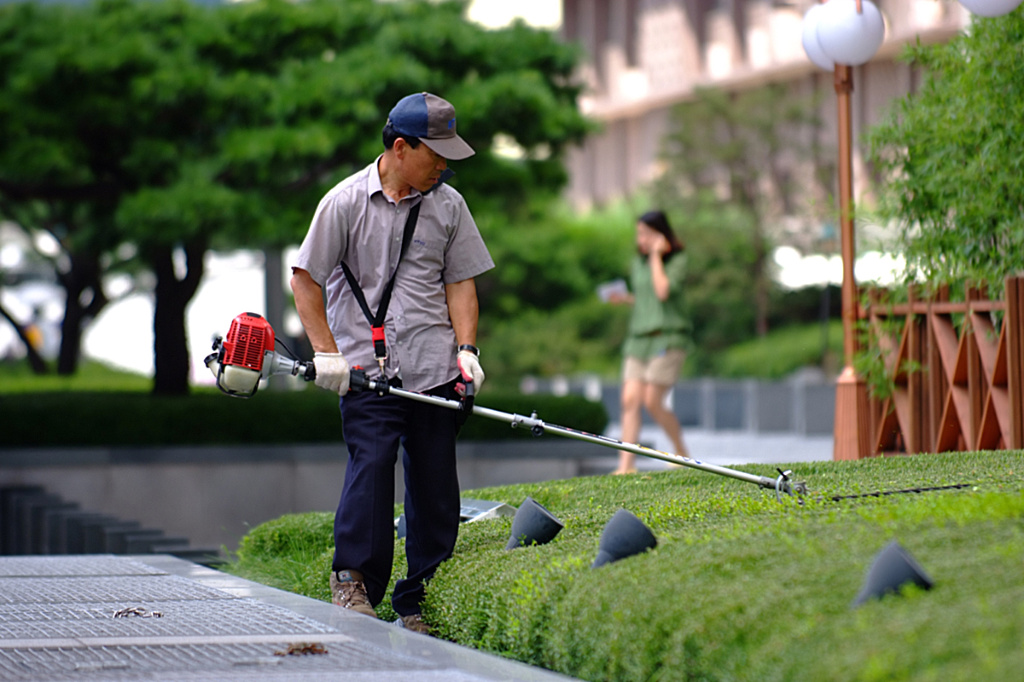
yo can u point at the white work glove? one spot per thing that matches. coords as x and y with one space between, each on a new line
469 365
331 372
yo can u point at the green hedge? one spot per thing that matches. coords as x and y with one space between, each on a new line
120 418
740 587
783 352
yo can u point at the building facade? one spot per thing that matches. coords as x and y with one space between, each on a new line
643 57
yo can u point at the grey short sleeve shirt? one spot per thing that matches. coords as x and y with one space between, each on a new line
358 223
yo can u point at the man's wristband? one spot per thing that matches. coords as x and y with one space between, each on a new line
471 348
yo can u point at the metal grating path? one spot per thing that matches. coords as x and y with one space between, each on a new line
59 566
54 590
159 662
222 617
119 619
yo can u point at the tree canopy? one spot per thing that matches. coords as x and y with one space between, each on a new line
951 157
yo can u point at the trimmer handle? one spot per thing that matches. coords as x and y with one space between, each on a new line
357 380
307 370
468 397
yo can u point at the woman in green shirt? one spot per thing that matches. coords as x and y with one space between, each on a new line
658 336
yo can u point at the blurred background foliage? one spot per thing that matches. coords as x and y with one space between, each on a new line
140 135
948 160
541 315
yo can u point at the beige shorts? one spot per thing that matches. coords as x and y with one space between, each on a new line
662 370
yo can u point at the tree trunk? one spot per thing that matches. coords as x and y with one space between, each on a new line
762 282
35 360
170 345
273 276
84 299
744 185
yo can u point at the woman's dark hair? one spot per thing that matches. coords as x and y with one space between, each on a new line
389 135
656 220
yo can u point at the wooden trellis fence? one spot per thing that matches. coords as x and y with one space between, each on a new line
958 370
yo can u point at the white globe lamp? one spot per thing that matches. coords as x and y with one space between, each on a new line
990 8
809 38
849 36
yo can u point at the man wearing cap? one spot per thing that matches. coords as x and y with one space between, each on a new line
396 236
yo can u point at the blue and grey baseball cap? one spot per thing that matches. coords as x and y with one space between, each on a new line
432 120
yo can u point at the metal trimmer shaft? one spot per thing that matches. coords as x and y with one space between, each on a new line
782 484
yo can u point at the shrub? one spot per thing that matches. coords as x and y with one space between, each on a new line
291 553
127 418
742 587
783 352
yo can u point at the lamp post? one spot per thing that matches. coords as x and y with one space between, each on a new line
852 423
836 36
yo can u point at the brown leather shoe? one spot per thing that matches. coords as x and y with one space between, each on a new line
414 623
349 592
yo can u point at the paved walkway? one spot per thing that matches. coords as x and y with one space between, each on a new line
154 617
724 448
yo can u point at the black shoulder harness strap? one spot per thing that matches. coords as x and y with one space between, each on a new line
377 321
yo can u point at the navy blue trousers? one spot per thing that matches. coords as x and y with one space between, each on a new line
364 529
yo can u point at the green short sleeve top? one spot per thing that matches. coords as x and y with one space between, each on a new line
656 326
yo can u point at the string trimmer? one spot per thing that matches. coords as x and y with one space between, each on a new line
247 355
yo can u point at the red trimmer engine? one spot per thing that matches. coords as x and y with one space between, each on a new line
249 337
247 355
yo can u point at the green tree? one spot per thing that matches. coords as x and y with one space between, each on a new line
39 188
749 150
951 157
540 313
177 128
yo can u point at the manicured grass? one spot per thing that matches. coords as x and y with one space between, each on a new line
740 587
17 377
